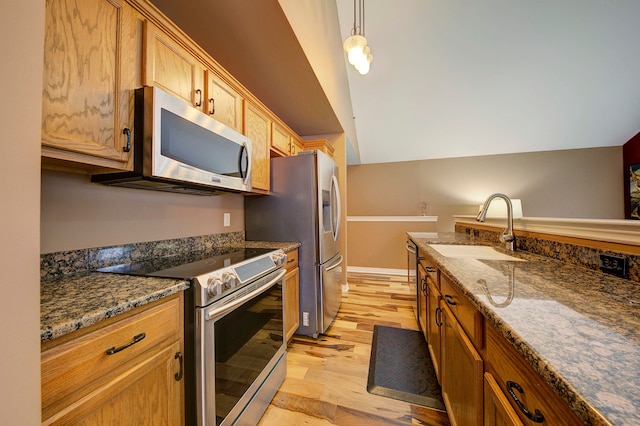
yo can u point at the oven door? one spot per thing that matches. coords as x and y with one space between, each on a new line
241 343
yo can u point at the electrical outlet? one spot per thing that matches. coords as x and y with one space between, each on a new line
305 319
616 265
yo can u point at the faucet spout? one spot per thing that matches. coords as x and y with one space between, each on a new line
507 236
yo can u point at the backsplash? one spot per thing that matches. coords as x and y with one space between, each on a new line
587 257
55 265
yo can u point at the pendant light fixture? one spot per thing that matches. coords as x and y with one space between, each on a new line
358 53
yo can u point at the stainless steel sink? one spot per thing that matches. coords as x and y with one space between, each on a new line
471 252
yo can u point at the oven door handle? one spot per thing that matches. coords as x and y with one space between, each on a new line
222 310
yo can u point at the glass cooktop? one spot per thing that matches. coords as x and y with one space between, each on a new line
188 265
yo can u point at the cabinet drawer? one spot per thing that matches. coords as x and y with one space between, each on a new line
78 366
292 260
431 270
534 394
467 315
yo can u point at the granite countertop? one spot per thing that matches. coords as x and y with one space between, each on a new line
578 328
81 299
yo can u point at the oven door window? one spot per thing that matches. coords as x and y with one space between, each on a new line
246 340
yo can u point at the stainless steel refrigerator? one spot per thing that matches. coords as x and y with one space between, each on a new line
304 206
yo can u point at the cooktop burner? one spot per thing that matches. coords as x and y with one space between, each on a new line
188 265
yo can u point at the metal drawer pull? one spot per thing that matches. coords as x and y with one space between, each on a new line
438 311
127 132
178 375
449 299
291 260
536 416
112 350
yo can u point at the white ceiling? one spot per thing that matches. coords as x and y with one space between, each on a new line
454 78
450 78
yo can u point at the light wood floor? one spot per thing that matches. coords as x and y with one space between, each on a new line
326 380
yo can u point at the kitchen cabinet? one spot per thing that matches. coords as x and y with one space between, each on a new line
292 295
92 54
422 299
514 376
172 67
462 373
280 140
223 102
434 326
297 144
497 410
257 127
127 369
321 145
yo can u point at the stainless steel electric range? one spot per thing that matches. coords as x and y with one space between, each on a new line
235 357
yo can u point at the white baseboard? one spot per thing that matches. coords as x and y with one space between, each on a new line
367 270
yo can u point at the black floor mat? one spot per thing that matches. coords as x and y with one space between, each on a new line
400 367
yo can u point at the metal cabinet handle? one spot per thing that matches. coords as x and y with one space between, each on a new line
138 337
537 416
178 375
127 131
199 93
438 311
423 286
449 299
212 102
291 260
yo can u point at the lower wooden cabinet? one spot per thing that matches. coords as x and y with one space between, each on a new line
127 371
434 326
536 402
497 410
422 299
462 371
292 295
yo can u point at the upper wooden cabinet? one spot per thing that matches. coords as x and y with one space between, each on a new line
91 66
172 67
297 144
321 145
280 140
223 103
257 127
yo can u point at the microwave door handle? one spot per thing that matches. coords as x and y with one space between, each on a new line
247 177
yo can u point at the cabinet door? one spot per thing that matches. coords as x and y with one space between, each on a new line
170 66
291 302
88 87
297 145
148 393
497 410
257 127
280 140
422 299
434 325
462 370
223 103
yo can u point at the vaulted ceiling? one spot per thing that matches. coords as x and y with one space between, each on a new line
449 78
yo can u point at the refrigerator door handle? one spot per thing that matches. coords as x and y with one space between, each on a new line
335 191
335 265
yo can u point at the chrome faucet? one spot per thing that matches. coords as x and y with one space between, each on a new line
507 234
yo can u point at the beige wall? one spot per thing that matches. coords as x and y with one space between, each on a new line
79 214
583 183
21 44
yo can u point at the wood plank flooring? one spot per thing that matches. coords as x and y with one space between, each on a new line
326 380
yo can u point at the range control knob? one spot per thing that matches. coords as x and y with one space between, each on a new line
280 259
214 287
229 280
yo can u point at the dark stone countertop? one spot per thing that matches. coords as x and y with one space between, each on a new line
79 300
578 328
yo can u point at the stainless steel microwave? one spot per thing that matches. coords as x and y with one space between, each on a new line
178 148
